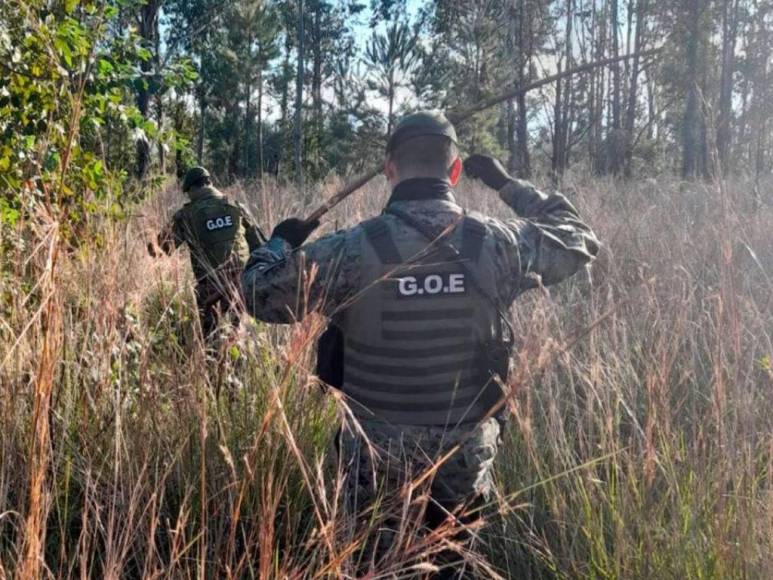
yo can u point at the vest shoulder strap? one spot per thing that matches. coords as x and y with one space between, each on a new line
473 234
381 239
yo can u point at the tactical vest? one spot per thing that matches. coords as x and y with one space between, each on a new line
215 235
414 336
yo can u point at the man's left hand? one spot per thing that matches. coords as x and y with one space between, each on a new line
489 170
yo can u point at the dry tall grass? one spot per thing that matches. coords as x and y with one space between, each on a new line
641 436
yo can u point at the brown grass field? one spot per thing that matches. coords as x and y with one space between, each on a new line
640 443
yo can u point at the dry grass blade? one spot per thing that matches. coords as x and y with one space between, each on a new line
639 443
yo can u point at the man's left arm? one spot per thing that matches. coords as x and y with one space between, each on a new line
554 241
548 241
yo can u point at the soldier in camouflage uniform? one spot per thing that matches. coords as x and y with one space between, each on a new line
220 237
420 295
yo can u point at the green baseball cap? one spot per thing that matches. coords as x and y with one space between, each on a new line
420 124
193 176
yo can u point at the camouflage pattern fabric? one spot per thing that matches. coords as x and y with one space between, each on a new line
218 300
215 229
219 236
380 460
547 242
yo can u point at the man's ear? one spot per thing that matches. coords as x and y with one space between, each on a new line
389 169
455 172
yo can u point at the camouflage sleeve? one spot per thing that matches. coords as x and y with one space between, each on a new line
173 234
282 285
252 233
548 242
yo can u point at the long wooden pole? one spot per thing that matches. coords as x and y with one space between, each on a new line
343 193
465 114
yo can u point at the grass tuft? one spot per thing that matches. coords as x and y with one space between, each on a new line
640 442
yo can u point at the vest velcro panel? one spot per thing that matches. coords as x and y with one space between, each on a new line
381 240
218 235
473 234
412 350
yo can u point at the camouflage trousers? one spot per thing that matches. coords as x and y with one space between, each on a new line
216 302
408 481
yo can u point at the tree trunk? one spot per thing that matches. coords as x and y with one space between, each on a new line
202 123
522 133
178 117
743 117
259 145
284 101
249 71
593 114
509 106
598 147
705 166
160 146
729 36
159 98
652 111
691 131
247 131
509 125
563 104
628 36
761 150
298 133
558 138
317 68
519 50
614 138
633 91
236 149
148 16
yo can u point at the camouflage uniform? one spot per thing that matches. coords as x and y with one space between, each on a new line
220 237
384 461
545 244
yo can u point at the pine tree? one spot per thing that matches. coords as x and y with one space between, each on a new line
391 58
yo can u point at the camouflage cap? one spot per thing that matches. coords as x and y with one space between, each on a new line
420 124
193 176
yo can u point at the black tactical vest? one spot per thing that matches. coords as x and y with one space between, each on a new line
414 337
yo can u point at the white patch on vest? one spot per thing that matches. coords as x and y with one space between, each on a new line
220 223
431 285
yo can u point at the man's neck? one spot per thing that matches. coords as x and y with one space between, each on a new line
203 191
422 189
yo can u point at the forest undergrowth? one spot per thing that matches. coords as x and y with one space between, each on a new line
640 439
